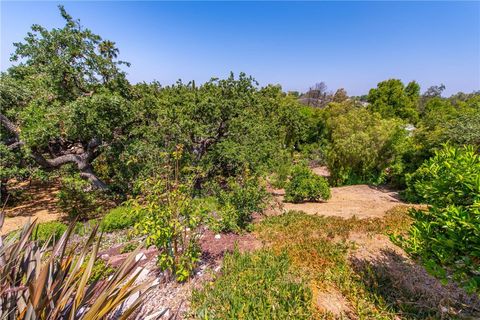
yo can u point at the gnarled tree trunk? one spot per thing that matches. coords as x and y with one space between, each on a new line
82 157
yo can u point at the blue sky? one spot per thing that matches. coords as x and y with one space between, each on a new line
346 44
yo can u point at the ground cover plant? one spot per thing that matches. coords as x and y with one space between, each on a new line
317 250
121 217
320 247
49 231
260 285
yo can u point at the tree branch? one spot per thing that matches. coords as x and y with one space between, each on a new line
10 126
82 160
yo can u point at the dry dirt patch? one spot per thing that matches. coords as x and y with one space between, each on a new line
40 204
389 272
362 201
331 302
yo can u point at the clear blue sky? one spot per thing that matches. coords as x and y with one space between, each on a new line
346 44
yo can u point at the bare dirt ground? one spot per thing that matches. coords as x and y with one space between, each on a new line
39 202
377 259
362 201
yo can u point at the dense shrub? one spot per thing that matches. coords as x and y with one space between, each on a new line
391 98
304 185
365 148
231 204
221 218
447 235
121 217
46 231
256 285
465 129
76 197
448 178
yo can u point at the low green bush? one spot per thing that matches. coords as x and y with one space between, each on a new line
52 230
259 285
129 247
119 218
304 185
279 177
446 236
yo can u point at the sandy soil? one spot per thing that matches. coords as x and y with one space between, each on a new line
362 201
40 204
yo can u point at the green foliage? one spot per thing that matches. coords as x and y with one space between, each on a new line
365 148
447 236
100 270
225 126
280 174
129 247
10 164
76 197
304 185
171 222
392 99
447 242
258 285
464 129
454 121
238 201
118 218
451 177
49 231
71 102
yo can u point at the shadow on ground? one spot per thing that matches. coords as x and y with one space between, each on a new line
33 198
409 290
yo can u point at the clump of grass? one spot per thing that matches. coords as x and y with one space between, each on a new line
396 221
259 285
293 225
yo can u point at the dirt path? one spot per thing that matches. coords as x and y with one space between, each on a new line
40 204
